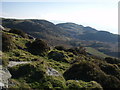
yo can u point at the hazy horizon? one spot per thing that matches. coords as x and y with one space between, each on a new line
101 16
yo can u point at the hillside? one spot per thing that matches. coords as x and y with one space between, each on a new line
93 51
33 64
38 28
88 33
67 34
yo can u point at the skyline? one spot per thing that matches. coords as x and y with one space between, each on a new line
100 16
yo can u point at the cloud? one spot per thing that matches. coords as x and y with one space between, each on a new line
88 1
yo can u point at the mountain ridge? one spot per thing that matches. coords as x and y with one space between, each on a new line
67 34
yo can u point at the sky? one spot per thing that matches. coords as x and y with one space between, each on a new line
99 14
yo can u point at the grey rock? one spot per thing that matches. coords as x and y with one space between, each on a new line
14 63
52 72
4 77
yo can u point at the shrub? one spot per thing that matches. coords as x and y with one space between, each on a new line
7 42
88 71
83 70
77 84
60 48
72 84
47 85
39 47
5 60
15 84
77 50
95 85
19 32
58 56
34 71
111 69
112 60
57 82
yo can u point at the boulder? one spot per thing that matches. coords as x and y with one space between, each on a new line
52 72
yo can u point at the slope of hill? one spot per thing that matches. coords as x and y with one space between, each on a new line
36 27
67 34
95 52
54 68
88 33
75 30
40 29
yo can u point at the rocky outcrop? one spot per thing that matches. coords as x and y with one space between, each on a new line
14 63
52 72
4 77
2 28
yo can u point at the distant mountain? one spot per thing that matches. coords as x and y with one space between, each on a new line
67 34
32 26
43 29
38 28
75 28
88 33
100 36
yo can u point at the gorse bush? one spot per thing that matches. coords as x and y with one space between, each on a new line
58 56
35 71
15 84
111 69
88 71
36 77
5 60
39 47
112 60
60 48
72 84
78 84
77 50
19 32
7 42
82 70
57 82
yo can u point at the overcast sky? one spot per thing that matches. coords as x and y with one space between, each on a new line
99 14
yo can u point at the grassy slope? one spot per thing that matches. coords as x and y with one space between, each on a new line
49 81
95 52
